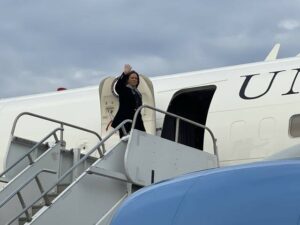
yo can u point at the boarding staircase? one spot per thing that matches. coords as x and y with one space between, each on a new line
87 190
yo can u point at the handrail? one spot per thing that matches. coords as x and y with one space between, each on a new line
30 151
18 192
121 125
27 182
54 121
177 125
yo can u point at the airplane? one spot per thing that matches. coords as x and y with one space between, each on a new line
251 111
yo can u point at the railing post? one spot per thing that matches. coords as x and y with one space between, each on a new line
103 148
216 151
62 142
177 129
55 138
30 159
124 130
62 132
46 199
28 217
100 152
76 158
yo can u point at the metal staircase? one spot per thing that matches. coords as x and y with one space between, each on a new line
38 166
138 160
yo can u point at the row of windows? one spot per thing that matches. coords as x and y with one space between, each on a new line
267 127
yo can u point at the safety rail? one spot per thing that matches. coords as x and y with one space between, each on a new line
101 143
178 118
62 124
31 150
18 192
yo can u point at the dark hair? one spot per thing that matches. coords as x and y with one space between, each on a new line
138 76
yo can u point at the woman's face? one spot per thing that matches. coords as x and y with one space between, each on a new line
133 80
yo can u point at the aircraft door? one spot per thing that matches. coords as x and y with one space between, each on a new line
192 104
109 104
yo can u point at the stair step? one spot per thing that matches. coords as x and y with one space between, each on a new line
23 220
4 180
61 187
107 173
36 208
51 197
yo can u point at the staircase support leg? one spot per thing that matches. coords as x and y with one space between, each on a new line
28 217
46 199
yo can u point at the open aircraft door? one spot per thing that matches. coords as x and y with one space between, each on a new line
109 104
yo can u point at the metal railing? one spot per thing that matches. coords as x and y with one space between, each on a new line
62 124
120 126
177 127
18 192
31 150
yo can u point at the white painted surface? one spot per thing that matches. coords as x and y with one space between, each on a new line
146 153
81 107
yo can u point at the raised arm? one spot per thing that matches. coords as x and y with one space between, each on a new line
122 80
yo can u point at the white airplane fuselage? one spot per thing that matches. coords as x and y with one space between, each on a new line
250 111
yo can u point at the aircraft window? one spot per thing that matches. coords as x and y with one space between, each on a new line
295 126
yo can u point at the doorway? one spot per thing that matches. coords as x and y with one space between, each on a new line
192 104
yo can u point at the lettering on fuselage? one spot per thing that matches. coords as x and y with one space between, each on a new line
275 73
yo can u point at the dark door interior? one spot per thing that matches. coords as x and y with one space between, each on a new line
192 104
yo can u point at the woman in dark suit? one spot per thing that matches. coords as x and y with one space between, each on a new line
130 100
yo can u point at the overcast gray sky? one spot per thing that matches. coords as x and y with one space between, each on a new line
45 44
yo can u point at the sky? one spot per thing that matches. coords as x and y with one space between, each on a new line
75 43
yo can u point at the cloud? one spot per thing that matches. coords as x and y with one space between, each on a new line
47 44
288 24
